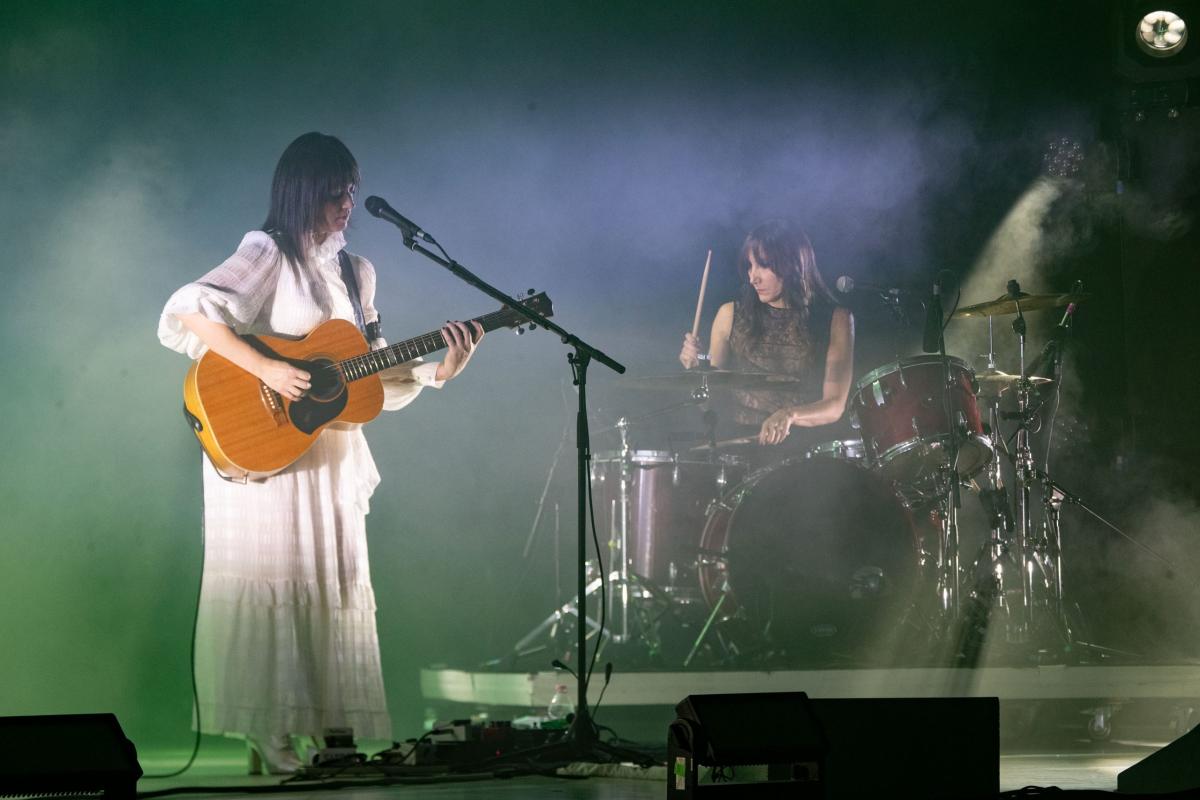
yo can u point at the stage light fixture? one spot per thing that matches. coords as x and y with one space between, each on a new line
1062 158
1162 34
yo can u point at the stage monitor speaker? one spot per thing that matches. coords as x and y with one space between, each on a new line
1174 768
67 754
727 731
868 748
928 747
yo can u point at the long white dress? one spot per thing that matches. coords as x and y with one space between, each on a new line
286 639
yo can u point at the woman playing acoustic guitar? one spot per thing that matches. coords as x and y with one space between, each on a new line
286 638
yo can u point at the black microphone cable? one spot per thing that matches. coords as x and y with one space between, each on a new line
195 624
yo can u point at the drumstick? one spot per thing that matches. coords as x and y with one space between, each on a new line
700 300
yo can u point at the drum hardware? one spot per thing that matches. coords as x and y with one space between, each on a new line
1020 541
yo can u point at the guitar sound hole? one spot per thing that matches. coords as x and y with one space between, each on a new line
326 380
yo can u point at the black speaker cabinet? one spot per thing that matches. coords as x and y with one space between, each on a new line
928 747
833 748
1174 768
727 731
68 753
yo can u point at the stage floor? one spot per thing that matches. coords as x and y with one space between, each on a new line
223 771
1049 734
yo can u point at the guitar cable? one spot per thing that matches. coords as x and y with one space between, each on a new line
195 622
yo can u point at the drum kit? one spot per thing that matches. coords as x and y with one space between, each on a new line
849 554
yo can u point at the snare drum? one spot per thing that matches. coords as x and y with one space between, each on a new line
900 410
667 499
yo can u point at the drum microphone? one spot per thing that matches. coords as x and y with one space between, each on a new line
933 320
846 285
1052 351
378 207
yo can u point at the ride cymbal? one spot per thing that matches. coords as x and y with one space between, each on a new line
1006 304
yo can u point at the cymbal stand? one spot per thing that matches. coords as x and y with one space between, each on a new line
949 578
996 503
619 540
1023 462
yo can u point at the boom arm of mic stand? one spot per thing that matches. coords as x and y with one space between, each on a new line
467 276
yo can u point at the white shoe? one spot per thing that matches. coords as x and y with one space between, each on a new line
276 754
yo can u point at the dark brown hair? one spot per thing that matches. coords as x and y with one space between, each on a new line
783 247
312 170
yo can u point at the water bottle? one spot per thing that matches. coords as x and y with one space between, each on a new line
560 706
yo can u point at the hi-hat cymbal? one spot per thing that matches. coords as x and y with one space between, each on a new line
712 378
1006 304
993 382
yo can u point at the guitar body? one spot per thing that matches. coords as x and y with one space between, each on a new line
250 431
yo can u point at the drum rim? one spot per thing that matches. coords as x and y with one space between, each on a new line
662 457
892 453
843 445
911 361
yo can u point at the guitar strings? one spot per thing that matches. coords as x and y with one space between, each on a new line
375 360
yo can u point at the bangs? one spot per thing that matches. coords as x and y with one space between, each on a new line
338 171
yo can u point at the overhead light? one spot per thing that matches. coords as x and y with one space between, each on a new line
1162 34
1062 158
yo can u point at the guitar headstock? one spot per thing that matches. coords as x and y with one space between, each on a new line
539 302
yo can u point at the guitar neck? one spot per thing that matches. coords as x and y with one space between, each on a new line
416 347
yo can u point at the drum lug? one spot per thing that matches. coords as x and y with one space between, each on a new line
878 394
916 428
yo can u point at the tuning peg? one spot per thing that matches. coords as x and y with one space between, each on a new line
519 331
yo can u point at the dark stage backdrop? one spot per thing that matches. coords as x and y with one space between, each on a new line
593 150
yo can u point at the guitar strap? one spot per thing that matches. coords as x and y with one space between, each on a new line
370 331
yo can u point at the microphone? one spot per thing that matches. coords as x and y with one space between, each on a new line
846 285
378 207
1053 347
933 320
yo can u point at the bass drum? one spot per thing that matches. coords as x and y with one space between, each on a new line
815 562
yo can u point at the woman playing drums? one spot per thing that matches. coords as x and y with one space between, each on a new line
786 322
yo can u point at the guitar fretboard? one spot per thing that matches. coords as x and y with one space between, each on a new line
369 363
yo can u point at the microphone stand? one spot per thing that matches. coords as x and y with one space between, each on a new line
582 740
935 340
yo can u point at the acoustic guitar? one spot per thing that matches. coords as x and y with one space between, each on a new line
251 431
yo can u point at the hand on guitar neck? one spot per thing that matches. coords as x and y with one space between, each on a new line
461 341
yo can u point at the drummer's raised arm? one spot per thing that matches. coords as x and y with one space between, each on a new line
719 356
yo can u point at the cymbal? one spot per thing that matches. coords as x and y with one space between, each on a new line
995 382
713 378
1028 302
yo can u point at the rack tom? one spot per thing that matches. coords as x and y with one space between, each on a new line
900 410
